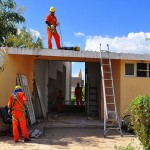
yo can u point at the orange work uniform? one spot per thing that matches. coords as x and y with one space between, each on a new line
52 32
18 114
78 94
59 102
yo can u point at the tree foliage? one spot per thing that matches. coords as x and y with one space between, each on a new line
140 112
24 39
10 17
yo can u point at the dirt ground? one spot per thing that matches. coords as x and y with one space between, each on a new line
67 132
71 139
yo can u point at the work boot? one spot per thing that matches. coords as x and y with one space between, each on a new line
27 140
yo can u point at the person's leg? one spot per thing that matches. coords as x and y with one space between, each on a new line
49 33
77 101
57 39
24 129
15 130
81 103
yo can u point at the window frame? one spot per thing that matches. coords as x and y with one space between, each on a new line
134 65
135 69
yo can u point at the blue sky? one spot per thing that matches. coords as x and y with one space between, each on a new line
123 24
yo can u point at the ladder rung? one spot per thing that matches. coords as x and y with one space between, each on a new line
110 103
106 71
112 120
106 64
109 95
109 87
111 111
115 128
107 79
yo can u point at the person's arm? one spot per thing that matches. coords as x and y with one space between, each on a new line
9 106
25 100
48 23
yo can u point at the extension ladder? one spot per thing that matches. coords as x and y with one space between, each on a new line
111 120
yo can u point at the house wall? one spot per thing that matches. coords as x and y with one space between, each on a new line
51 76
24 64
131 87
93 81
14 64
126 88
41 77
116 68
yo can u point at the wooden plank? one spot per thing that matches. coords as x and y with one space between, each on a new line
40 98
24 83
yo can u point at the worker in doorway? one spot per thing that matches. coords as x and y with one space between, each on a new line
52 23
59 101
17 108
78 95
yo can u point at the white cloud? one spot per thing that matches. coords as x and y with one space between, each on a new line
79 34
35 33
132 43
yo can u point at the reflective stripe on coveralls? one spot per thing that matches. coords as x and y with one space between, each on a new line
52 32
15 98
18 112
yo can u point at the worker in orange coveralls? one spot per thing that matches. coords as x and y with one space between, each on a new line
78 95
59 101
52 23
16 107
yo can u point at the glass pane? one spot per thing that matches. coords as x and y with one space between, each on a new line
141 69
129 69
141 73
141 66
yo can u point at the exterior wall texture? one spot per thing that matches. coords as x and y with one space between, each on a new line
14 64
131 87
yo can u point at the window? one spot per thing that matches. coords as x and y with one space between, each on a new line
137 69
129 69
142 69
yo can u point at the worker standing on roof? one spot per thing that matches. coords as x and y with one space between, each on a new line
16 107
52 23
78 95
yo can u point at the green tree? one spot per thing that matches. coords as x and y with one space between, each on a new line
10 17
24 39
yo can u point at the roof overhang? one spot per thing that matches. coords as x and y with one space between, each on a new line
70 55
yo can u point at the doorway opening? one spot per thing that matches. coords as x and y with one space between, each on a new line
54 76
78 84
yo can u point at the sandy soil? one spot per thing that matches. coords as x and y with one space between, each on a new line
88 139
65 132
71 139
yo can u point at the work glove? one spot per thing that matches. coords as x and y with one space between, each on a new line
52 27
58 23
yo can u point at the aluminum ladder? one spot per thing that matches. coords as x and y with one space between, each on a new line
111 120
